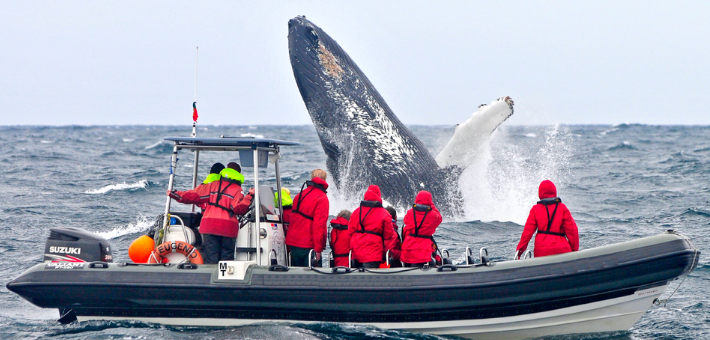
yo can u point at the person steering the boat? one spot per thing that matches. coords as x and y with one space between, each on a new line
340 239
224 202
370 229
420 224
556 230
211 177
396 243
308 228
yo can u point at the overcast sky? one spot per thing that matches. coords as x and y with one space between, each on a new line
124 62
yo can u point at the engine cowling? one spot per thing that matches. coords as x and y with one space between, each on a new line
70 244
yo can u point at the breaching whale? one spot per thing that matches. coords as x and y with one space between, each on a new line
365 143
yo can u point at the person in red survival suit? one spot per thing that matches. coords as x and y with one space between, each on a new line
213 176
370 229
340 239
219 225
308 228
556 230
420 224
396 244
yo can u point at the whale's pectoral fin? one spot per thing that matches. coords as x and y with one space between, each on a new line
470 135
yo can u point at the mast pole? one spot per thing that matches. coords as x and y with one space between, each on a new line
194 129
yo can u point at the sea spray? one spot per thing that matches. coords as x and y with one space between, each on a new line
142 224
501 185
142 184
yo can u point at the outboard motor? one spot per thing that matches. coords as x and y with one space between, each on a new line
75 245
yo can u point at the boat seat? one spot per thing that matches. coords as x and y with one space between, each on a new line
192 220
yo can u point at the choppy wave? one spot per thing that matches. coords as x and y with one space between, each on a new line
152 146
249 134
142 184
142 224
625 145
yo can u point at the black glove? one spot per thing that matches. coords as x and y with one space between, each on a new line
173 194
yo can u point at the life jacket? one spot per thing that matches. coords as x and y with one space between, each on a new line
339 225
550 201
302 197
211 178
222 191
361 219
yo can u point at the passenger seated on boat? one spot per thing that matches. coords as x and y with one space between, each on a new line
308 227
420 224
556 230
340 239
286 204
396 245
370 229
224 202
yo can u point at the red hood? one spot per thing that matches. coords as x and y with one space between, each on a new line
373 195
339 220
375 189
424 197
547 190
318 180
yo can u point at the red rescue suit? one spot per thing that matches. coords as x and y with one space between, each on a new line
370 228
556 230
224 201
419 228
287 217
340 241
308 225
394 245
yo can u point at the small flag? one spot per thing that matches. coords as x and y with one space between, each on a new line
194 111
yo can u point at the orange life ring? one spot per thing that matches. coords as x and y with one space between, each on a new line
176 247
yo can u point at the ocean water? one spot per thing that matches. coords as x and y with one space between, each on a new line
620 182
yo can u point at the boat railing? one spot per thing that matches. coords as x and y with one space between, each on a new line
528 254
182 225
446 259
311 256
483 254
469 257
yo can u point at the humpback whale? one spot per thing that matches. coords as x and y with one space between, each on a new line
364 141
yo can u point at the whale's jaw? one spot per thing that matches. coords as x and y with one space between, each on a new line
363 140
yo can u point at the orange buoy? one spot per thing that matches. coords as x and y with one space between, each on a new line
157 256
140 249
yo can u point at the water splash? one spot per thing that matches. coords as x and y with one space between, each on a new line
501 185
142 224
142 184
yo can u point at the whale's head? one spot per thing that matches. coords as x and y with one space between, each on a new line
319 66
364 141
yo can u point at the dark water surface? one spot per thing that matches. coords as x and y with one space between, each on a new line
620 182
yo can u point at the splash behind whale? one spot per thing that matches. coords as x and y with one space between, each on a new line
365 143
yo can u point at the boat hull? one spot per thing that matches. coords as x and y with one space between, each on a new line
595 290
611 315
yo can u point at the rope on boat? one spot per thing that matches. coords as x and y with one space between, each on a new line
664 302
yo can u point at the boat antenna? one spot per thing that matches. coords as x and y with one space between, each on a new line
194 102
194 132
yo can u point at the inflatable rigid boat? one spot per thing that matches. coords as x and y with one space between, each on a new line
594 290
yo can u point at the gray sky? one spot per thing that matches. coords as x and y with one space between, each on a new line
111 62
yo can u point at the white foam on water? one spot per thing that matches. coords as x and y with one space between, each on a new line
249 134
45 141
142 224
128 140
153 146
142 184
502 185
530 135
